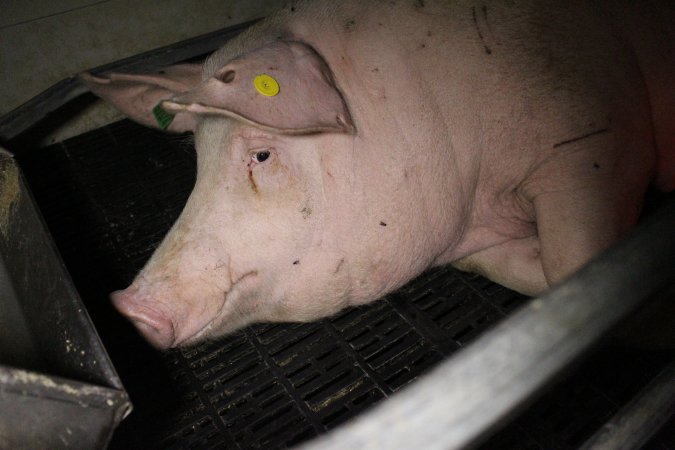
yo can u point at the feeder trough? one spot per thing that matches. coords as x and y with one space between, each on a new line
58 389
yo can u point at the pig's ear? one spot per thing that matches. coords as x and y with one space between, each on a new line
139 95
285 87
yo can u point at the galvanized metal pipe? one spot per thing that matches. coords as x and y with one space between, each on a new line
634 424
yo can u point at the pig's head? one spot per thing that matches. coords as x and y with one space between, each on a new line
275 228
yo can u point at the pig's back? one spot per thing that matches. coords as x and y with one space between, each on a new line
494 82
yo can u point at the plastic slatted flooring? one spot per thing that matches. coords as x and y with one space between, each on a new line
109 196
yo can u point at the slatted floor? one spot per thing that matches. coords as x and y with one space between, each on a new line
108 198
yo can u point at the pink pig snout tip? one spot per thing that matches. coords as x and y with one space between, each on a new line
153 325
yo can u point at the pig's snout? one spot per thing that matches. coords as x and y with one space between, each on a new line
153 325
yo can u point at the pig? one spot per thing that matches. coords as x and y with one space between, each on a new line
344 147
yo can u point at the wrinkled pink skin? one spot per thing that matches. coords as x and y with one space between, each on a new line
489 136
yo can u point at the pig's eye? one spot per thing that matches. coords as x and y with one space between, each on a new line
261 156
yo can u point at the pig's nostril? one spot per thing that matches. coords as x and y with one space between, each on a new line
153 325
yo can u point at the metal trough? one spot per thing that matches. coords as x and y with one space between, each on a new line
58 389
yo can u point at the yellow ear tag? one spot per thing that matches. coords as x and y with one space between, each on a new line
266 85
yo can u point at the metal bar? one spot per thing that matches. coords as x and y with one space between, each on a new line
469 396
632 427
20 119
44 411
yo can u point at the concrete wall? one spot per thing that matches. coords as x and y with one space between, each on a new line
45 41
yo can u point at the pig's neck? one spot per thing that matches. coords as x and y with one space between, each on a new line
414 139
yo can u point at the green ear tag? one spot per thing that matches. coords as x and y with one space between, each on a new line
162 117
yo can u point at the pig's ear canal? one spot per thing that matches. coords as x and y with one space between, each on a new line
283 87
139 95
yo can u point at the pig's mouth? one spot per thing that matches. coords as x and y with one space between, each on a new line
214 326
176 329
161 332
206 329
